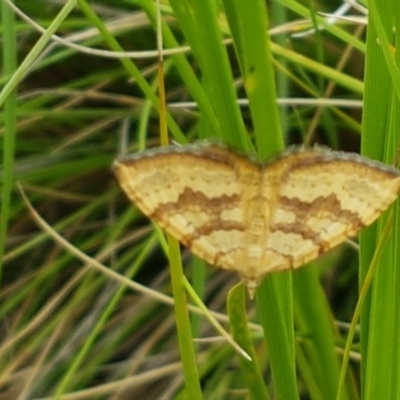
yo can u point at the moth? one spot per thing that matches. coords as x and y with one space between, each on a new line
257 218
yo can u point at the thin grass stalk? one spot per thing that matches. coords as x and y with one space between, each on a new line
66 383
24 67
317 333
130 66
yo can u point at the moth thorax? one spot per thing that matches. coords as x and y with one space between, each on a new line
257 225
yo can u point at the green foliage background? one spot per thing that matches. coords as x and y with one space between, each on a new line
89 308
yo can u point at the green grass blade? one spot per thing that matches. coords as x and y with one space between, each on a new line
6 184
249 23
184 329
379 318
238 321
214 63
